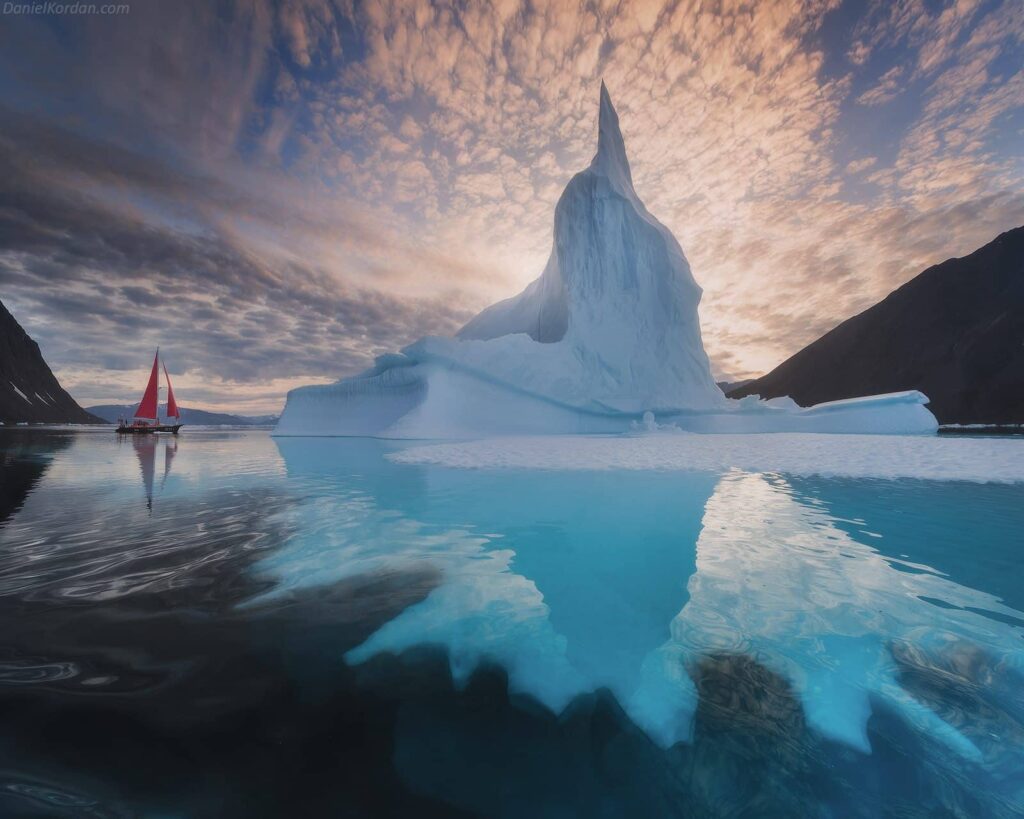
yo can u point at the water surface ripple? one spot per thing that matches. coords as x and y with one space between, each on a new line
227 625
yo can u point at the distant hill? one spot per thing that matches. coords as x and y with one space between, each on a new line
29 391
111 412
955 332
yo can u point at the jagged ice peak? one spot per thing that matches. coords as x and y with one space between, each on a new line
607 335
610 159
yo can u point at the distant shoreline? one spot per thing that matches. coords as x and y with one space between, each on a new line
978 429
944 430
110 427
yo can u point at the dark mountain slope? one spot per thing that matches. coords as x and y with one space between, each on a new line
28 390
955 332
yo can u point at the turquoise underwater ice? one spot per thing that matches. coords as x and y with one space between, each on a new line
576 581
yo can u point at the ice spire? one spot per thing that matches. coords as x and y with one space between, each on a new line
607 333
610 159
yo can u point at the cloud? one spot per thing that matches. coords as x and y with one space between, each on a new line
859 53
888 88
306 184
96 281
859 165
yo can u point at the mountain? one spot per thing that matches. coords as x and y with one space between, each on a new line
111 412
261 420
29 391
606 339
954 332
729 386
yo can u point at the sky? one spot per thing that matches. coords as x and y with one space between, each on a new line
275 193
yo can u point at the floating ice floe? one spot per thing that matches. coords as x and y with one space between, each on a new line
979 460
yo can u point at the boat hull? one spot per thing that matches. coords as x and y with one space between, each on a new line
131 429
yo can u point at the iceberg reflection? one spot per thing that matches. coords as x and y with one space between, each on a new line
778 579
567 580
575 581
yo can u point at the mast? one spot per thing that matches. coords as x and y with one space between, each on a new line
147 409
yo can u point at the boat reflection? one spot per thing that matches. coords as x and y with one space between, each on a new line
170 450
88 531
147 449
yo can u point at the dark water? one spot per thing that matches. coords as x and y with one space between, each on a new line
228 625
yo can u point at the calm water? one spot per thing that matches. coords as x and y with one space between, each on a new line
225 624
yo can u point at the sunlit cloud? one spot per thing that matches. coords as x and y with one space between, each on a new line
888 87
278 192
859 165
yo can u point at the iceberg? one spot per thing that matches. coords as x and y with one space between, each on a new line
606 338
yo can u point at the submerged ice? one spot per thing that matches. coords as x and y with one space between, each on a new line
634 592
773 578
607 333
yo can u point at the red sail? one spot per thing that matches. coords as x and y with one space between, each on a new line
147 407
172 405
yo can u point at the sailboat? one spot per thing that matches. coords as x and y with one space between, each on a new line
146 419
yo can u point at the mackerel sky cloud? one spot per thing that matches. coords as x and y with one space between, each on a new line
276 193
